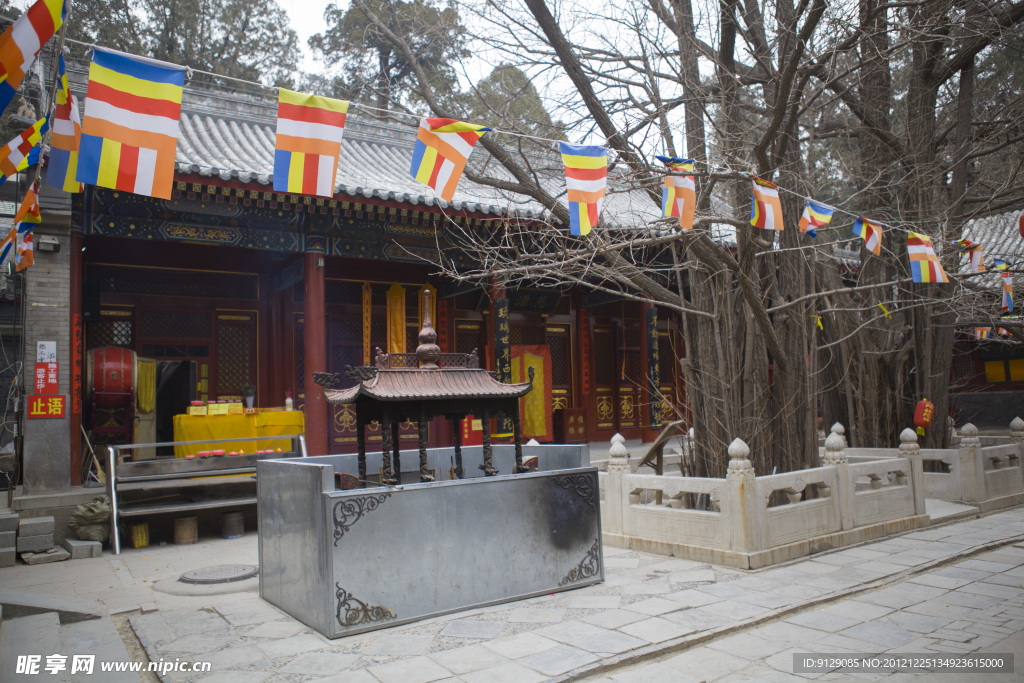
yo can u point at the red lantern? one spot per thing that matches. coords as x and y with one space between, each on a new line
1020 224
923 415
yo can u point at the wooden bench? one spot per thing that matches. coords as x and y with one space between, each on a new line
190 484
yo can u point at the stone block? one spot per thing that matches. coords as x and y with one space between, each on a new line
81 550
9 522
7 539
35 526
34 543
7 557
45 557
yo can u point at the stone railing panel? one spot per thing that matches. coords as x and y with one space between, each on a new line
887 493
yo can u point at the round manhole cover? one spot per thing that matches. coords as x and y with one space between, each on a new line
223 573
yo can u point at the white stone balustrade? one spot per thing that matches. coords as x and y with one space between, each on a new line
751 521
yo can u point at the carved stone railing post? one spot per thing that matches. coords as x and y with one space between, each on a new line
910 449
840 430
835 456
745 510
1017 434
972 467
616 498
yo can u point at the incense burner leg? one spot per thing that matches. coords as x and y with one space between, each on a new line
388 476
488 465
517 439
421 429
361 447
397 460
458 448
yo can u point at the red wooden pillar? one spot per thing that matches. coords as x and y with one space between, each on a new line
650 395
315 352
76 359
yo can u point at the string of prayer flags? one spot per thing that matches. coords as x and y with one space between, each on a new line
973 251
816 215
924 264
130 131
67 136
679 198
765 206
871 233
21 42
309 132
22 151
586 176
26 219
1007 292
442 149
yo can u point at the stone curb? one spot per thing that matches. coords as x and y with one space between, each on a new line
683 643
151 652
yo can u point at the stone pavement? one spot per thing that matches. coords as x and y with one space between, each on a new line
951 589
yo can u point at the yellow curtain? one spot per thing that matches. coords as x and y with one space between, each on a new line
421 298
396 319
535 412
367 320
145 397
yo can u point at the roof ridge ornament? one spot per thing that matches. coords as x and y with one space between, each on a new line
428 351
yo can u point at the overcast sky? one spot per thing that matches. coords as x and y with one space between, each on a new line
307 17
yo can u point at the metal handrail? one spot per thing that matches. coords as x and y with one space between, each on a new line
131 446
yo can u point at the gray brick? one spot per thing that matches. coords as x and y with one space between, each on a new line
9 522
35 526
7 557
81 550
7 539
35 543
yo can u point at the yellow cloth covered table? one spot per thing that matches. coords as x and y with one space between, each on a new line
253 425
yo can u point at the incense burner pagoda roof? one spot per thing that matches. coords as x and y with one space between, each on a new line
427 384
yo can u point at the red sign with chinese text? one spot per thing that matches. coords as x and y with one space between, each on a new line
44 380
45 406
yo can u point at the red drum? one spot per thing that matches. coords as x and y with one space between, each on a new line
112 376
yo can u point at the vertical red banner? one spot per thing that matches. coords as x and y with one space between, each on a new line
441 325
76 364
585 351
45 379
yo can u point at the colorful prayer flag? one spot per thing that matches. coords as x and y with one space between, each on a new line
765 207
924 264
17 155
309 132
442 149
1007 292
1000 264
679 198
982 332
871 233
973 251
22 41
66 137
26 219
7 245
586 178
130 131
816 215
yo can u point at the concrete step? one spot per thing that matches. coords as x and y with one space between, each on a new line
96 637
37 634
943 511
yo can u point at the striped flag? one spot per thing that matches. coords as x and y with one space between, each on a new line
816 215
1001 264
679 198
7 245
22 151
973 251
924 264
442 149
1007 292
871 233
765 207
309 132
982 332
22 41
586 176
130 130
66 138
26 219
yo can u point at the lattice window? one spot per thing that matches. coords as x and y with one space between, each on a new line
668 360
412 340
604 358
963 366
347 331
378 335
160 324
632 338
109 333
163 282
527 334
341 356
559 346
469 337
234 359
632 369
343 292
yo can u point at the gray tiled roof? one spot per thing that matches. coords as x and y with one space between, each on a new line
232 137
